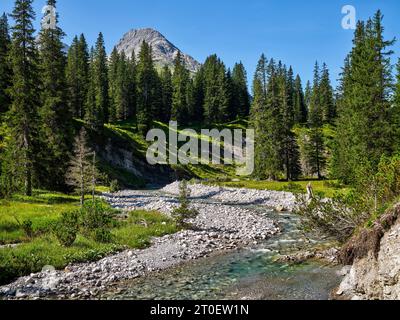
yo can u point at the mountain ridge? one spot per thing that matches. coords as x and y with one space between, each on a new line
164 51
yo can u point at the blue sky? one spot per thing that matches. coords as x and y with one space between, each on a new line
296 32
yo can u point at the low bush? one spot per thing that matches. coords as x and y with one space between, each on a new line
293 188
67 228
27 226
97 220
114 186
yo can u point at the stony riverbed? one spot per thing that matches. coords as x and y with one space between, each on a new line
221 226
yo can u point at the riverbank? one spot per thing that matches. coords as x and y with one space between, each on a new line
217 230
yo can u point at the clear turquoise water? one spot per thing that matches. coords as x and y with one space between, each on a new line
244 274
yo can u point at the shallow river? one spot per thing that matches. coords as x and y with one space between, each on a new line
250 273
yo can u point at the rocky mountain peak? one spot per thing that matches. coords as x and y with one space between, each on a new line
164 52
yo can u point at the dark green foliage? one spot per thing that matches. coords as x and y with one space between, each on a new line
96 220
300 106
97 101
56 134
216 96
198 96
66 229
265 118
366 129
326 97
148 90
184 211
240 93
315 145
180 91
166 88
120 78
22 118
273 118
5 68
77 74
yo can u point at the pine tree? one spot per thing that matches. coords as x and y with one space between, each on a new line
307 96
315 147
5 69
24 94
77 76
198 96
92 113
55 115
290 150
240 94
365 129
216 99
180 80
266 118
97 102
166 87
326 97
132 90
123 86
300 107
113 84
148 90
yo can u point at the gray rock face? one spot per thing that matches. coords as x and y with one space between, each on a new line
164 52
376 278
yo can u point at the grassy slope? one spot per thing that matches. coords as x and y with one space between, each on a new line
127 131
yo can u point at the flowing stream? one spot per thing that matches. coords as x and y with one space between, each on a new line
250 273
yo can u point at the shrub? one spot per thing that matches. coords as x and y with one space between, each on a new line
102 235
96 220
114 186
67 228
293 188
27 226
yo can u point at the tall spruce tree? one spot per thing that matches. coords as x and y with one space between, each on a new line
123 87
240 93
315 147
198 96
307 95
290 150
216 98
77 73
166 87
113 90
23 123
266 118
300 107
132 90
365 129
326 97
5 69
98 108
148 89
55 115
180 81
